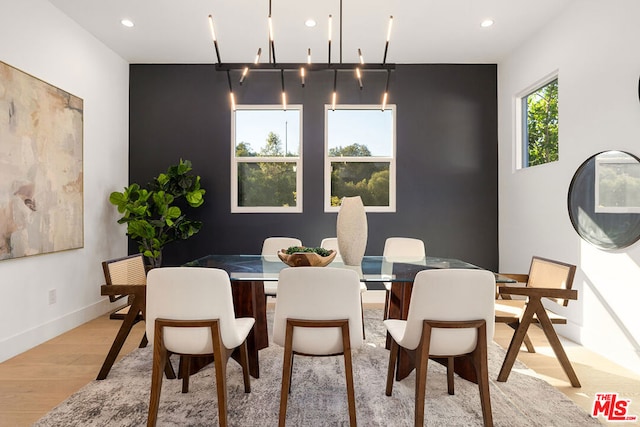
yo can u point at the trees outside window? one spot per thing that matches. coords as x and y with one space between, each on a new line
267 160
540 125
360 156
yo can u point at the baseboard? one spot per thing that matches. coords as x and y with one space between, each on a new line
25 340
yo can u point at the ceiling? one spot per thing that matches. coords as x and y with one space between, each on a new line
424 31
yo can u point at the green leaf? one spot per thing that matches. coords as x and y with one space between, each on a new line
141 228
117 198
162 178
195 198
173 212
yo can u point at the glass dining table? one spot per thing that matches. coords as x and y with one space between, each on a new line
249 272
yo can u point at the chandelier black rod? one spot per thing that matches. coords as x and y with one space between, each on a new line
341 31
309 67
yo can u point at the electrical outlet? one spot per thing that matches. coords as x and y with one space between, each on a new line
52 296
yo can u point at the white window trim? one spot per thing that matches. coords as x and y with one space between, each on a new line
520 121
391 160
236 160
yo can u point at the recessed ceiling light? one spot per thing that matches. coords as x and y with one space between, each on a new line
127 22
310 23
486 23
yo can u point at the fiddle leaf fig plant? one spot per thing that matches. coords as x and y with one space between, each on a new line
154 215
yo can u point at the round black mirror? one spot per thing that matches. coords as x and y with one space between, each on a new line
604 200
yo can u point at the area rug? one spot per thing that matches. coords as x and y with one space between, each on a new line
318 394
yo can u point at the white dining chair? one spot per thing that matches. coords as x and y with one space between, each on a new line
271 262
330 243
190 312
451 314
318 313
399 249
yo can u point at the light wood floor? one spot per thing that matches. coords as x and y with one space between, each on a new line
34 382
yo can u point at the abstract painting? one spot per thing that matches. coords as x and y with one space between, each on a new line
41 181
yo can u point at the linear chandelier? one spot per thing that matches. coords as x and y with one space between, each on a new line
304 68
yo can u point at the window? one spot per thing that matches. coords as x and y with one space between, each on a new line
360 147
266 160
539 124
617 183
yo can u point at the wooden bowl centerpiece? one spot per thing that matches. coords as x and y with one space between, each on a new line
300 256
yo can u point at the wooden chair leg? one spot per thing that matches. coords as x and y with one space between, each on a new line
286 374
144 341
393 359
348 368
220 358
556 345
422 358
293 356
450 371
527 341
168 369
362 313
385 313
482 374
528 344
185 368
244 363
159 361
516 342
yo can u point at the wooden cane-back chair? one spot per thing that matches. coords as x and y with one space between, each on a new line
128 270
546 279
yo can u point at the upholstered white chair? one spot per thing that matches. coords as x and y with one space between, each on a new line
190 312
318 313
399 249
271 262
330 243
451 314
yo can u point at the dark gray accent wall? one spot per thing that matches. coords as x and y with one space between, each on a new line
447 190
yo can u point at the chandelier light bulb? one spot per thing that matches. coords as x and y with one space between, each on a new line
270 29
211 30
389 30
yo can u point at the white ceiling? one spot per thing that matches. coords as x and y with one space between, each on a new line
424 31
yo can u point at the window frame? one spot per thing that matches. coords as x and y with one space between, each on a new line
521 152
598 171
391 208
235 161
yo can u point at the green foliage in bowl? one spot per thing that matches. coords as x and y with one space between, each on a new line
297 249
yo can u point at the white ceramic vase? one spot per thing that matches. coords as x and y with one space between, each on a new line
351 229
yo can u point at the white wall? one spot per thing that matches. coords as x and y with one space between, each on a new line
594 46
38 39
